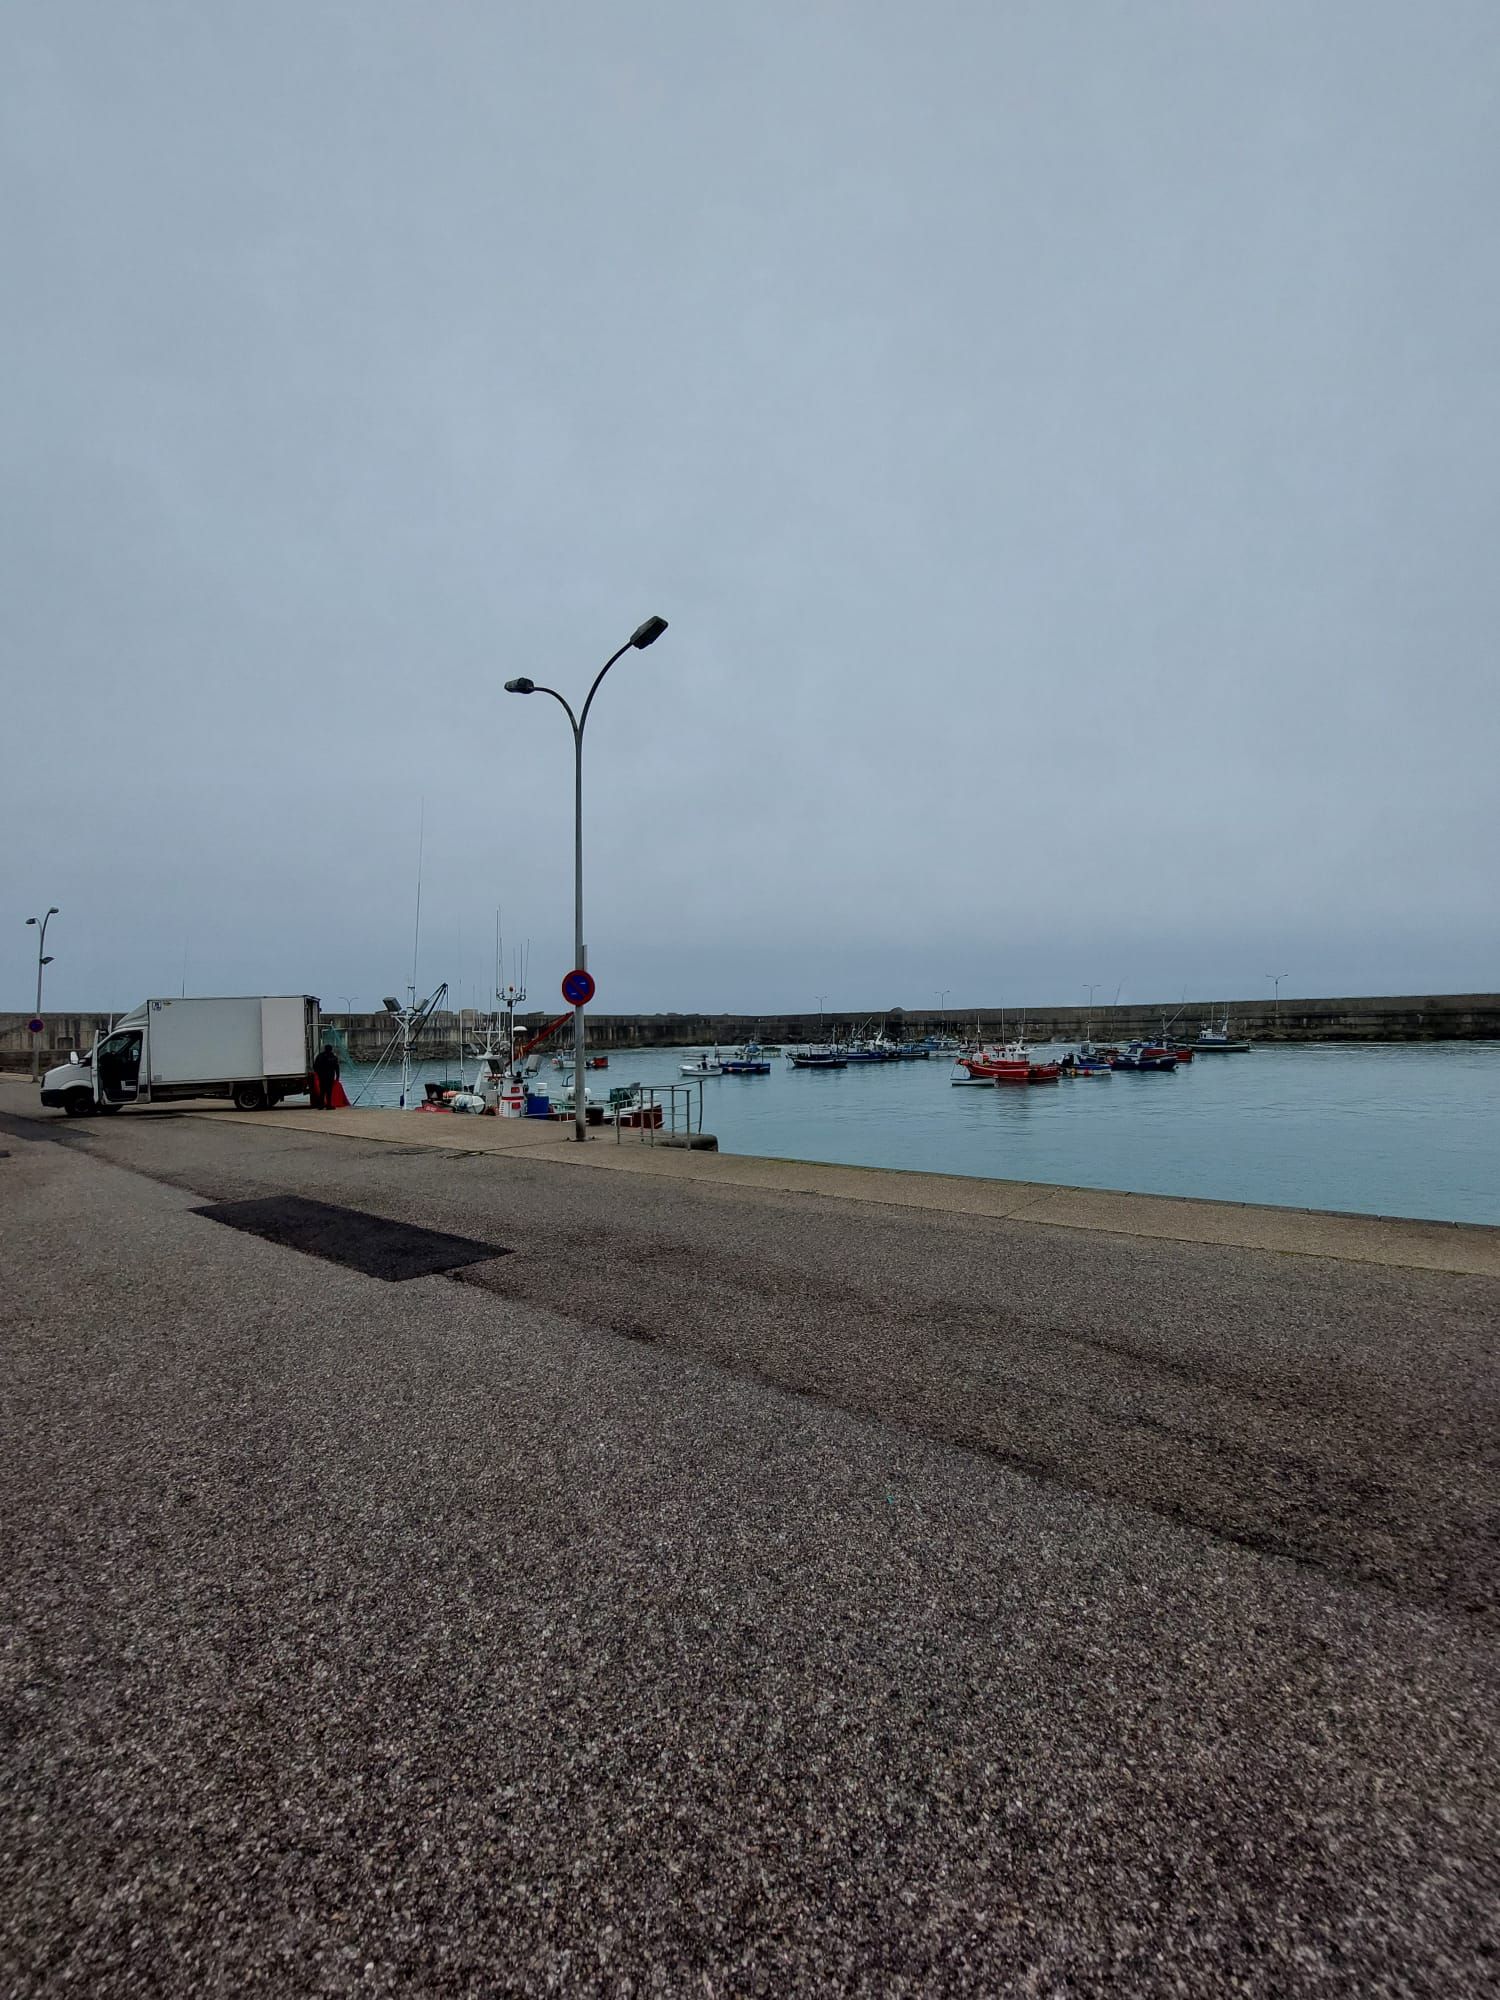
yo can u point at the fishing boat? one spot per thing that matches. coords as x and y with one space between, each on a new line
748 1061
1218 1041
827 1058
703 1065
563 1062
1011 1064
1008 1064
1144 1056
1081 1064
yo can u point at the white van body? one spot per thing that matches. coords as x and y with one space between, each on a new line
255 1050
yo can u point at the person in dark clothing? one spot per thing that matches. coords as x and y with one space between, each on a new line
325 1076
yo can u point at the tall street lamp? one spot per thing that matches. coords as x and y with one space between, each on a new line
41 960
1276 979
1088 1027
942 993
643 636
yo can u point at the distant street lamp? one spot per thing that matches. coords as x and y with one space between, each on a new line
1088 1027
822 1003
942 994
42 958
643 636
1276 979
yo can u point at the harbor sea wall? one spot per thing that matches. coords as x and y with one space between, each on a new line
1434 1017
1426 1018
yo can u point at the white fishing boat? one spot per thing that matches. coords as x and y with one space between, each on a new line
703 1065
1218 1041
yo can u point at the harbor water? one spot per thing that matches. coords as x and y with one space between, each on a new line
1408 1129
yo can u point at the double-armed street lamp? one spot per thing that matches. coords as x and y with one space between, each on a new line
42 959
643 636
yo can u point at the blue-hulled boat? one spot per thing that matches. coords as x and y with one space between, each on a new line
747 1061
1144 1056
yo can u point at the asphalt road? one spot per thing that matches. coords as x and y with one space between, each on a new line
723 1593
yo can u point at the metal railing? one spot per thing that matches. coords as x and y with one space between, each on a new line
677 1103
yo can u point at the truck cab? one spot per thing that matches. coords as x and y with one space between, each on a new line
104 1079
70 1087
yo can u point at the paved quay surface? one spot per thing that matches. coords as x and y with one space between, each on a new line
734 1588
1435 1246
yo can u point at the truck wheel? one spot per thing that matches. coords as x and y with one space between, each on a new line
78 1103
249 1096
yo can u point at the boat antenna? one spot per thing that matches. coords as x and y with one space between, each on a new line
416 936
499 955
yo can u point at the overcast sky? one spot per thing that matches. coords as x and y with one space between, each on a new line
1062 438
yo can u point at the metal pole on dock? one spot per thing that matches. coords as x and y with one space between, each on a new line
643 636
41 960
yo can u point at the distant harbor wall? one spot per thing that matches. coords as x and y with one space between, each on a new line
1435 1017
1443 1017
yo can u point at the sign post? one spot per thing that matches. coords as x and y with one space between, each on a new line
578 990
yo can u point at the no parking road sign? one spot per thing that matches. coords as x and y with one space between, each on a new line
578 988
35 1025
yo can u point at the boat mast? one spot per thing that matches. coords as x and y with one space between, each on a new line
416 938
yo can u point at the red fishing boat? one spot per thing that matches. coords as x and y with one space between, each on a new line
1011 1064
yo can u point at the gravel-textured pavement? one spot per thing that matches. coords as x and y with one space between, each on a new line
725 1593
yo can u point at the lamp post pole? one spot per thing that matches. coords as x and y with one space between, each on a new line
1088 1026
1276 979
942 994
643 636
41 960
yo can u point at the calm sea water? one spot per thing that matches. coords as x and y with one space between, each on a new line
1396 1129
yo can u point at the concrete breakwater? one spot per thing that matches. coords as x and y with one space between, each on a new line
1435 1017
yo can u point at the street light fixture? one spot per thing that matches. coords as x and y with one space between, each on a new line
643 636
43 957
1276 979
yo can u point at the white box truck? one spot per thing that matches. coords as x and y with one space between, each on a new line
255 1051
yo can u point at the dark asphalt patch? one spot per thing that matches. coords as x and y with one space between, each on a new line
371 1244
39 1128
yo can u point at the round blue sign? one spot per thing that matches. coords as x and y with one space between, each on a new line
35 1025
578 988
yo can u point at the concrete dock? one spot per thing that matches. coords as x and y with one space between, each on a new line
727 1576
